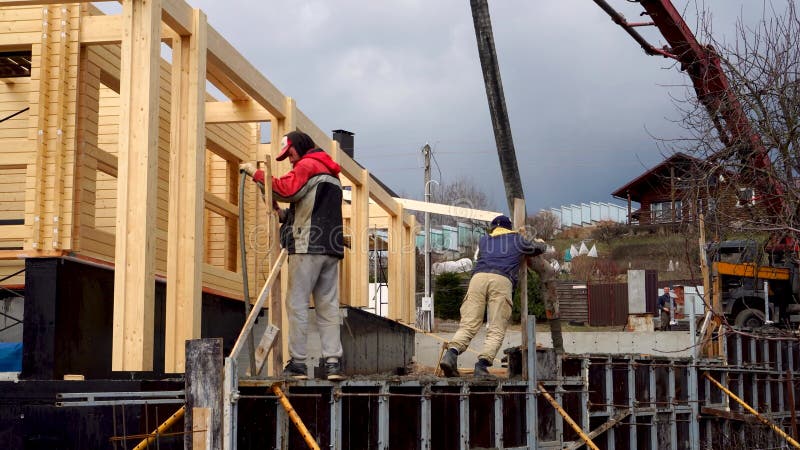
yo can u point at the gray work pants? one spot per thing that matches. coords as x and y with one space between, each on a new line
318 275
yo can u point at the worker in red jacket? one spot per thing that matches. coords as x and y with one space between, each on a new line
311 232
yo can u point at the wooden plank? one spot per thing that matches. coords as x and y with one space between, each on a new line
264 346
448 210
201 429
186 194
13 232
136 188
235 112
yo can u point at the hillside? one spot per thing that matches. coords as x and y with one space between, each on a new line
619 250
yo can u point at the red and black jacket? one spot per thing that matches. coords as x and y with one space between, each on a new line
313 223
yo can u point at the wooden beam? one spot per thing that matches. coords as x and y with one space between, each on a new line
236 112
187 194
4 3
448 210
220 206
107 29
386 201
132 348
235 67
178 15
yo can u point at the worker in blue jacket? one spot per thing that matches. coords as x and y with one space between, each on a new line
492 285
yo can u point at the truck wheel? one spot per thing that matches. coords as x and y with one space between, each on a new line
750 318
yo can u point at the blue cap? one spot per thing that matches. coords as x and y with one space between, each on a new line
501 221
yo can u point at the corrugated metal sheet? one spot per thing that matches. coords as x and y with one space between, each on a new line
608 304
573 301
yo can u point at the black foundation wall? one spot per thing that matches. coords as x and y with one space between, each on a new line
68 322
30 420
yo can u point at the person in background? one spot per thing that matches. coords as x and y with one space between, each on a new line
311 232
665 305
491 286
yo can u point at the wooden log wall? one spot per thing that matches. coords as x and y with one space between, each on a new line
122 139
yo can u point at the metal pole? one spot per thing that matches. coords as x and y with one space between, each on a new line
752 411
767 318
532 425
426 152
694 426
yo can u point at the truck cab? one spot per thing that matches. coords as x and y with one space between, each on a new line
746 283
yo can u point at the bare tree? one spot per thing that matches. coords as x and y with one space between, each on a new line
543 224
748 181
463 193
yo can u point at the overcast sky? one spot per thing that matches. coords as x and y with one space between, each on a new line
584 100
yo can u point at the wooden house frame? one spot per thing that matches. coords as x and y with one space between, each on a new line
125 159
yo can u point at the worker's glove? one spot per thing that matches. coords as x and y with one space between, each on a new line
539 240
247 168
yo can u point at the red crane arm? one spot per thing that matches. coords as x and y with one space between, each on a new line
703 66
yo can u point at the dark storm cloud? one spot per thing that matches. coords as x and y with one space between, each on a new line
584 100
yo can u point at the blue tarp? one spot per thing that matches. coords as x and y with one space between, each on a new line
10 356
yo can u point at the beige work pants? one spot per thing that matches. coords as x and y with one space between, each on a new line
485 290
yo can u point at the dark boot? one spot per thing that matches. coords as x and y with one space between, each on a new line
482 370
449 363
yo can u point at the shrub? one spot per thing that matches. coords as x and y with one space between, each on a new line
535 299
448 292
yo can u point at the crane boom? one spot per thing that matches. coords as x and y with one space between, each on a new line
703 65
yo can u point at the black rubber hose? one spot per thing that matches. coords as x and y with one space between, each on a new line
245 285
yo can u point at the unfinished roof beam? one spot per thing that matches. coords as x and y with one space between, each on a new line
187 194
134 306
236 112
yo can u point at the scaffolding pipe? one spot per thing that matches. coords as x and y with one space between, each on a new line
161 428
566 417
312 444
752 411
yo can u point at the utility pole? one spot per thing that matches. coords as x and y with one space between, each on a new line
427 299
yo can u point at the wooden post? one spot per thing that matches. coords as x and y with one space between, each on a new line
204 379
567 418
134 258
397 308
519 222
279 127
359 231
186 192
410 249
